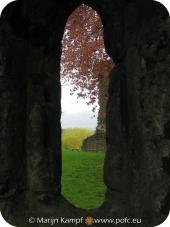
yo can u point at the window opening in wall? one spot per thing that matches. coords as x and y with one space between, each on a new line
85 67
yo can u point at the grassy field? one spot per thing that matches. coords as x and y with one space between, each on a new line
82 179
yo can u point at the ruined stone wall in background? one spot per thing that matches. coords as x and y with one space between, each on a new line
97 142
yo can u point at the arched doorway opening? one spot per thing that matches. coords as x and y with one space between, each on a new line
85 67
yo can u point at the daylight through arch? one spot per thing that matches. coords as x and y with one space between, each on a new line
85 67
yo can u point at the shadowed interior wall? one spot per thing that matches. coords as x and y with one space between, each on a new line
136 35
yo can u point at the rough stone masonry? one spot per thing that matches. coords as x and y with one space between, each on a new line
136 169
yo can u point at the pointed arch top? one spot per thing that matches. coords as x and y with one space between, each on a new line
49 17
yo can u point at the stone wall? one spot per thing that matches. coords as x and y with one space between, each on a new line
136 171
102 102
97 142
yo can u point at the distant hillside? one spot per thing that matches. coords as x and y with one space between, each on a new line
72 138
79 120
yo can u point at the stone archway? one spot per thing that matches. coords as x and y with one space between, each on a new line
137 38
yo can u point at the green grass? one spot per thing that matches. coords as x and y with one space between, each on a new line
72 138
82 179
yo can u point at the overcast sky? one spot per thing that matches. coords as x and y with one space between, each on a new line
72 104
76 112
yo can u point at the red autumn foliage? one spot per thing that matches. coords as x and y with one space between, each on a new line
84 58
